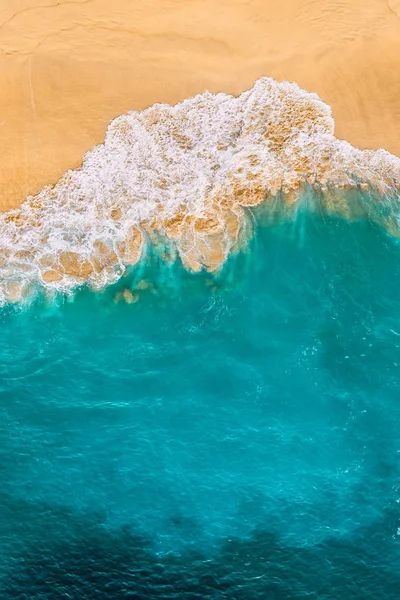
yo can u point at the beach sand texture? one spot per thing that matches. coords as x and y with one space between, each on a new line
68 67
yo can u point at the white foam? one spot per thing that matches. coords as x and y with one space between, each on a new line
185 171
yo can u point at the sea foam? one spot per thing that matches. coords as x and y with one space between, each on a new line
181 177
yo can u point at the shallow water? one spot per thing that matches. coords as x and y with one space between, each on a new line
226 437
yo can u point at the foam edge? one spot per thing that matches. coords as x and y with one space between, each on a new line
183 178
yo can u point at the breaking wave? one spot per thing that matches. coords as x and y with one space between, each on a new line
181 178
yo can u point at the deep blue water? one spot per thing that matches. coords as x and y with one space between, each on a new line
236 438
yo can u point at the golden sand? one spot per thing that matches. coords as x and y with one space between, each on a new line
68 67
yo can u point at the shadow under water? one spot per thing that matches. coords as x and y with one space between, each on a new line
81 559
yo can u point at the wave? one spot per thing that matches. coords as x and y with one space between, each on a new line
182 178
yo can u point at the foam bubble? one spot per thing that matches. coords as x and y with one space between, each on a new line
182 176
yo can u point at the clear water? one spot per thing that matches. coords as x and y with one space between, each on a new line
236 438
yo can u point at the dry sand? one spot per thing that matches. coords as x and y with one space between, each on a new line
68 67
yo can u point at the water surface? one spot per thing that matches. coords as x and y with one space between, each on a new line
230 436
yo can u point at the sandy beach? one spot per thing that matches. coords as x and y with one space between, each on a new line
67 68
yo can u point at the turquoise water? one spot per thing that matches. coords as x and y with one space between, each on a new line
235 437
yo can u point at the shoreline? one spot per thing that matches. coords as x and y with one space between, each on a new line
68 68
182 178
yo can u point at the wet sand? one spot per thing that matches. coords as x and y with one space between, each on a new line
67 68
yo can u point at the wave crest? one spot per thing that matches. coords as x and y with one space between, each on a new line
182 176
